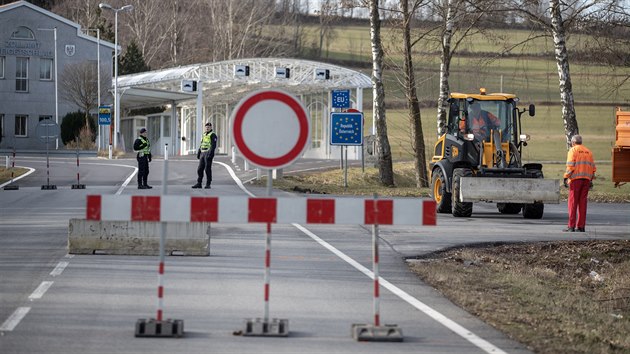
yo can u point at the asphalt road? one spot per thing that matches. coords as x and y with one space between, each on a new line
53 302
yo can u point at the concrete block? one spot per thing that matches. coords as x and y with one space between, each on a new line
272 328
370 333
153 328
49 187
78 186
137 238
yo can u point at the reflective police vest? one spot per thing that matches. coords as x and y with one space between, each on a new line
145 146
206 141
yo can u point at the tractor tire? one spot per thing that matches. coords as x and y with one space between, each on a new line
536 210
509 208
438 189
460 209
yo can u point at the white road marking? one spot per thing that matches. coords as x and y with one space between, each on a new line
14 319
41 290
440 318
437 316
30 170
59 268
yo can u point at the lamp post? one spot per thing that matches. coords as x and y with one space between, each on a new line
56 81
116 98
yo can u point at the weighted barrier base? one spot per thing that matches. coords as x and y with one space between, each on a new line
371 333
49 187
153 328
78 186
11 188
273 328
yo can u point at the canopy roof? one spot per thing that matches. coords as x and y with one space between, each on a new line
221 84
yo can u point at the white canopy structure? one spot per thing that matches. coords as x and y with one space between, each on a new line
220 86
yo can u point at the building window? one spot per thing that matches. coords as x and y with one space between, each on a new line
45 69
21 122
2 60
22 33
41 118
1 125
21 74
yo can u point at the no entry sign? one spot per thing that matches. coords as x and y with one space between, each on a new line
270 128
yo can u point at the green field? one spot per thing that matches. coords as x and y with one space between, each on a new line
530 72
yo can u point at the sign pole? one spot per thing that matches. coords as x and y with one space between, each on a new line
158 327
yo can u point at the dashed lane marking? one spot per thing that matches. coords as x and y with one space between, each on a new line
14 319
41 290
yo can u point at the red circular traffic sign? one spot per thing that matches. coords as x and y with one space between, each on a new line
270 128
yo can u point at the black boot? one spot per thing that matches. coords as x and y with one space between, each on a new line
141 187
198 185
207 186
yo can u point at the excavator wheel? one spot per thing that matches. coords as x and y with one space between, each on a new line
460 209
438 189
536 210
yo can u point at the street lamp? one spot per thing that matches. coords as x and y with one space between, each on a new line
56 83
116 101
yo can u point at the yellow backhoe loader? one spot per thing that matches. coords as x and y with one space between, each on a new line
478 159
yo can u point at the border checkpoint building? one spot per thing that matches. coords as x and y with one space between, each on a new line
209 90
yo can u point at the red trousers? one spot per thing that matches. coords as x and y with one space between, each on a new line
578 197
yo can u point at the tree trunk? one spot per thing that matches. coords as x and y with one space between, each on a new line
384 153
562 61
445 68
420 164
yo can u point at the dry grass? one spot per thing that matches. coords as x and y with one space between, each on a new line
5 173
555 297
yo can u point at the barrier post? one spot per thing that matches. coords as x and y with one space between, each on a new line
157 327
78 185
48 186
266 327
376 332
11 186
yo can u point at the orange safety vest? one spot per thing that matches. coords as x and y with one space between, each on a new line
580 164
482 124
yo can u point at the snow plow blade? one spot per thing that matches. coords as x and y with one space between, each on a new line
509 190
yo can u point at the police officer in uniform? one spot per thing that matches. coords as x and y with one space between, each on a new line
205 154
142 148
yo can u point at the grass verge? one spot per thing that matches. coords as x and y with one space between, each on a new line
554 297
5 173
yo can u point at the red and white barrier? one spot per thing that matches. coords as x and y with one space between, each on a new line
243 210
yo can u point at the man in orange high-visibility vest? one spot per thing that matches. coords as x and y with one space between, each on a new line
578 178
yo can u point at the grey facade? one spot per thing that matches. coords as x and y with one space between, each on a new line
27 70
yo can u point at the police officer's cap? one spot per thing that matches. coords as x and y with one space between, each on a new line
143 130
208 124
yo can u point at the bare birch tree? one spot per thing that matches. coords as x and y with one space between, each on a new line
459 18
560 17
384 153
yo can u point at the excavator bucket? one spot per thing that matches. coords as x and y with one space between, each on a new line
509 190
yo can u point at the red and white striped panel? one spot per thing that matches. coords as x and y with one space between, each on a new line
243 210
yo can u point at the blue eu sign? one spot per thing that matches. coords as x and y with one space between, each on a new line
346 128
104 115
341 99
